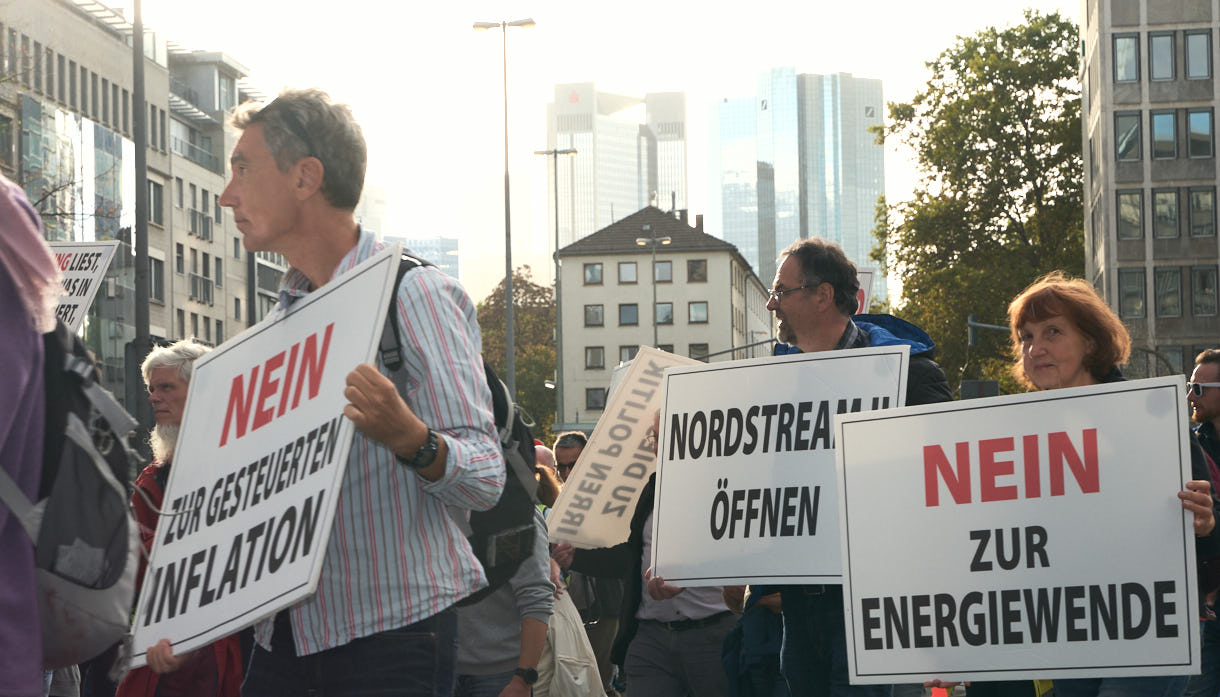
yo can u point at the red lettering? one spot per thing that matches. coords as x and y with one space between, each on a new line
239 409
1033 480
934 461
1062 450
990 468
63 260
263 414
312 364
292 363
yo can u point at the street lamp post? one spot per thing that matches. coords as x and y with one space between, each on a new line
653 241
555 153
510 371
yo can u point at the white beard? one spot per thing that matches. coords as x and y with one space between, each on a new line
163 440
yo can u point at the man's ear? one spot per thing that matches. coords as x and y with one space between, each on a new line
308 176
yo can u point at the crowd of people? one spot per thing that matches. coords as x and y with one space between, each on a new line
570 621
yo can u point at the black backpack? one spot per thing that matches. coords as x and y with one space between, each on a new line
502 537
85 541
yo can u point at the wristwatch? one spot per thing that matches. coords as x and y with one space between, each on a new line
424 456
529 675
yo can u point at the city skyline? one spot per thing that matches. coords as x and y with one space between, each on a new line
436 126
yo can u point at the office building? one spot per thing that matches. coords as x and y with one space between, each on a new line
631 153
442 251
1149 103
797 160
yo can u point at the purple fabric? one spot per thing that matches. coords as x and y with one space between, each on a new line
22 416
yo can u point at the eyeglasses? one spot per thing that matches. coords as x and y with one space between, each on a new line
777 294
1196 388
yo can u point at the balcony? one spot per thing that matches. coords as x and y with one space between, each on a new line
195 154
201 289
201 225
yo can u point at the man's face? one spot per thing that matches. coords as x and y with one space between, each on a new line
793 314
565 459
167 394
1205 407
264 199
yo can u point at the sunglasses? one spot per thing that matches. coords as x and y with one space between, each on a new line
1196 388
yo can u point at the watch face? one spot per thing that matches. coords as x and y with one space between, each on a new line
529 675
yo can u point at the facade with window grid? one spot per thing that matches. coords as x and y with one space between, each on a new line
1149 107
708 301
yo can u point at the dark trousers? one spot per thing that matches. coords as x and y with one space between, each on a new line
813 658
413 661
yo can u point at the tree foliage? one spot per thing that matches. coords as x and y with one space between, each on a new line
997 137
533 340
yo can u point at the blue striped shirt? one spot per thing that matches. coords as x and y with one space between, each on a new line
395 556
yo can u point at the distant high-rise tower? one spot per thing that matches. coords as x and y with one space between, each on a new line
631 153
442 251
798 160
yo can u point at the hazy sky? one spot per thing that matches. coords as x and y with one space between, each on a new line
427 88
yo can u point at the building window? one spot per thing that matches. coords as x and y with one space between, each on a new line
595 398
1160 56
61 82
594 315
181 325
237 248
627 353
593 274
194 324
6 140
216 206
1164 136
155 212
152 126
663 272
194 197
665 313
667 348
179 258
698 352
1171 355
220 273
1127 137
207 330
156 279
72 84
696 312
1130 215
1126 58
1203 291
194 260
696 271
84 89
1203 212
162 130
93 94
37 67
237 309
178 190
115 107
1199 123
1169 292
628 314
220 332
1198 55
1165 213
126 111
627 272
1131 293
595 357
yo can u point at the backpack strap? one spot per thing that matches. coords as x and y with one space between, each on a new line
18 503
391 342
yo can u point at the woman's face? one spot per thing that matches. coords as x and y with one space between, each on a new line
1053 352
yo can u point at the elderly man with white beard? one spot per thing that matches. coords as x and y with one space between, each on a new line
214 670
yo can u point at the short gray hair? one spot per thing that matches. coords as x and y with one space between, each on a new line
180 355
306 123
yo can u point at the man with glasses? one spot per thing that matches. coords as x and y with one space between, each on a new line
568 446
381 621
1203 396
814 301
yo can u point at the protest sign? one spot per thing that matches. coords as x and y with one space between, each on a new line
594 507
258 465
865 274
746 486
83 265
1017 537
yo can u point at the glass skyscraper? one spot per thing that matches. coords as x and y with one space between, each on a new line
798 160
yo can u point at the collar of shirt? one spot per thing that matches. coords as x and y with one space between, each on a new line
853 337
294 285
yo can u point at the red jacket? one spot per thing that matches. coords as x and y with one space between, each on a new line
212 671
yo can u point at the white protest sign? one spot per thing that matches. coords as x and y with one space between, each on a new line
1018 537
746 486
864 296
83 265
597 501
258 465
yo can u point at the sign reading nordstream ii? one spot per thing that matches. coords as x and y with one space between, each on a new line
1025 536
746 480
254 482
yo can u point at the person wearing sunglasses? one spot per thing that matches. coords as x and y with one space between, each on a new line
1203 396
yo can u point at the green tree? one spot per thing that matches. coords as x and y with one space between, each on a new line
997 138
534 339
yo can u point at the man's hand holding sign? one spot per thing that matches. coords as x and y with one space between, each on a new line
376 408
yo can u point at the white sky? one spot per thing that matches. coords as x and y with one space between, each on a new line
427 88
